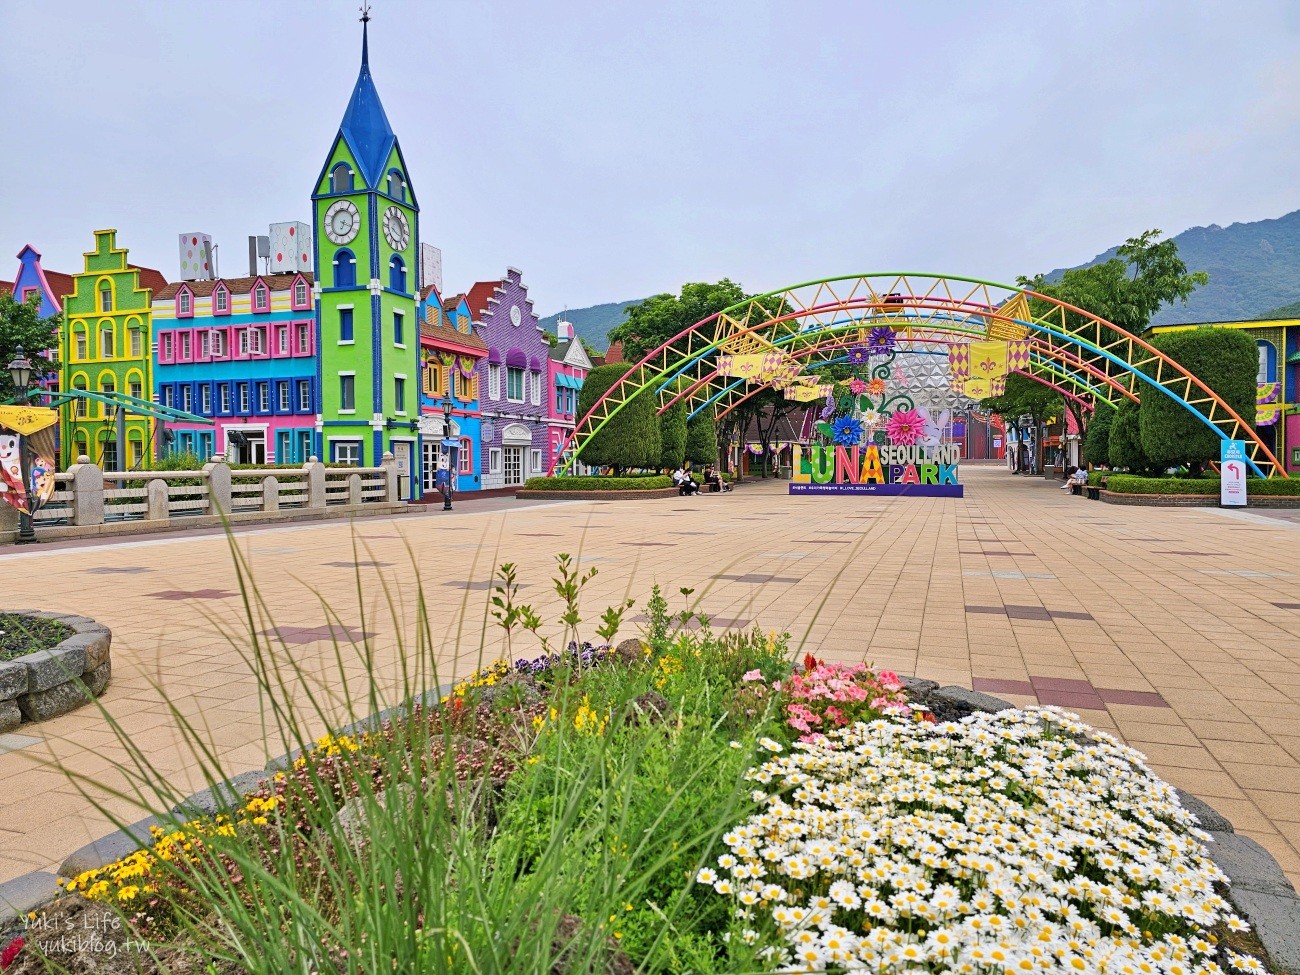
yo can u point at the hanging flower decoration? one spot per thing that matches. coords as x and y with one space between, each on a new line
860 355
846 431
905 428
856 386
876 387
880 340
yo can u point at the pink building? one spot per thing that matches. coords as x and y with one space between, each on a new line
569 365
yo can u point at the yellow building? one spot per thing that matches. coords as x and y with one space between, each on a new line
106 349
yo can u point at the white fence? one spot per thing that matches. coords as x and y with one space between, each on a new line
85 495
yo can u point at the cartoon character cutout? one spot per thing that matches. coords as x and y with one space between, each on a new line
934 427
41 480
11 470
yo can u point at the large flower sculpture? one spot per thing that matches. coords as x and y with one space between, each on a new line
846 431
905 428
876 387
880 340
871 419
856 386
860 355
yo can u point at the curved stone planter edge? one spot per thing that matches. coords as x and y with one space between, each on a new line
1259 888
47 683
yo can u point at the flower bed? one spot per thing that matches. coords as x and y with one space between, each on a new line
50 664
594 810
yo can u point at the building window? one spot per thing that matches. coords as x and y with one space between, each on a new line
347 394
345 269
106 298
220 343
537 389
221 297
260 298
494 381
135 389
399 394
243 398
137 343
396 186
205 399
264 397
397 274
187 398
79 385
283 344
466 458
166 347
534 461
304 445
205 344
185 346
347 452
304 338
514 384
223 397
494 460
467 389
399 329
166 395
434 380
1267 372
183 306
81 345
341 179
282 391
106 342
304 396
300 294
345 324
257 343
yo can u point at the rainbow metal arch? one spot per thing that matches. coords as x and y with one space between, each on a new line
1081 352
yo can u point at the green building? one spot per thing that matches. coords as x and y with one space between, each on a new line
367 280
107 348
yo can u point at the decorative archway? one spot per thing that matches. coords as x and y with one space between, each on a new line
1070 348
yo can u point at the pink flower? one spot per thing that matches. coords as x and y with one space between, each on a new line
889 680
10 953
905 428
752 675
857 387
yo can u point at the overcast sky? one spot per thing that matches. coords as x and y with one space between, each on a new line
613 150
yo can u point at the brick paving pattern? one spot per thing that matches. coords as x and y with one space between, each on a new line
1084 608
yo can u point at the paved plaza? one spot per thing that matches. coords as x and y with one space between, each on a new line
1176 628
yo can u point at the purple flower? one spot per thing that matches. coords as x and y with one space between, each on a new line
880 340
860 355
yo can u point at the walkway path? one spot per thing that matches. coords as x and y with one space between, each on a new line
1179 629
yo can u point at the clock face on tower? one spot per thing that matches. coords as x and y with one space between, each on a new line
396 230
342 221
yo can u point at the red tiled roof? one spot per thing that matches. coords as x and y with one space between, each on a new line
6 287
452 303
478 297
236 286
613 354
61 284
149 278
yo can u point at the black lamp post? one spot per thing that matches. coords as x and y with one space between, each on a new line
446 435
20 372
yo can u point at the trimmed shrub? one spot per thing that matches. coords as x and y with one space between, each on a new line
1226 360
598 483
1096 443
631 437
1125 441
672 436
702 440
1129 484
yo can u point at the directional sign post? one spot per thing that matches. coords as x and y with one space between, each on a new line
1232 468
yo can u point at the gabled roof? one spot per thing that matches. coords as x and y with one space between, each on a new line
444 334
236 286
149 278
479 296
365 124
452 303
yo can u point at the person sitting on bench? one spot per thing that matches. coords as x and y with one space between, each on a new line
685 483
714 480
1077 479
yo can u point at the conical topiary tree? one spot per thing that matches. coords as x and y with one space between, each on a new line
702 439
672 436
631 437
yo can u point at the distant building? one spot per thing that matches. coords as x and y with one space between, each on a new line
569 365
450 354
516 372
242 351
107 348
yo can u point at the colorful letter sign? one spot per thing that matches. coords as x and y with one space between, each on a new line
926 472
1232 467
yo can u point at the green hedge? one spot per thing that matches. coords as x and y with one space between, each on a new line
599 483
1129 484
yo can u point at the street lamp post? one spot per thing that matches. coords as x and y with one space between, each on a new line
20 371
446 472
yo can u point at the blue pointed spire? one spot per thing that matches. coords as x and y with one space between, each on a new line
365 126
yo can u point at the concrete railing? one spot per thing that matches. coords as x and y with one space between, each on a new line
89 500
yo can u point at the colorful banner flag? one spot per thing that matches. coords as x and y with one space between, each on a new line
1267 409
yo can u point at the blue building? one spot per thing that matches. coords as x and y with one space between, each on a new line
449 356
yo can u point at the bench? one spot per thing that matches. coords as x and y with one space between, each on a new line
1094 490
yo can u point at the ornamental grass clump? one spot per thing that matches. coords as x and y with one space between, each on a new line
1001 843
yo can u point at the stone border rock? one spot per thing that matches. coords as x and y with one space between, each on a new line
1259 890
45 684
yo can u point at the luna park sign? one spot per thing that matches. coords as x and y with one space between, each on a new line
889 470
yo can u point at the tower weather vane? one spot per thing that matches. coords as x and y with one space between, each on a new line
365 12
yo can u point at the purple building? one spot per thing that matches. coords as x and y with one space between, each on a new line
514 382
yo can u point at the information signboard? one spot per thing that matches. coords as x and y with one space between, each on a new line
1232 468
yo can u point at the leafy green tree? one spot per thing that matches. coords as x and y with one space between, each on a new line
21 324
702 439
660 317
1096 444
672 436
631 437
1025 398
1125 441
1227 361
